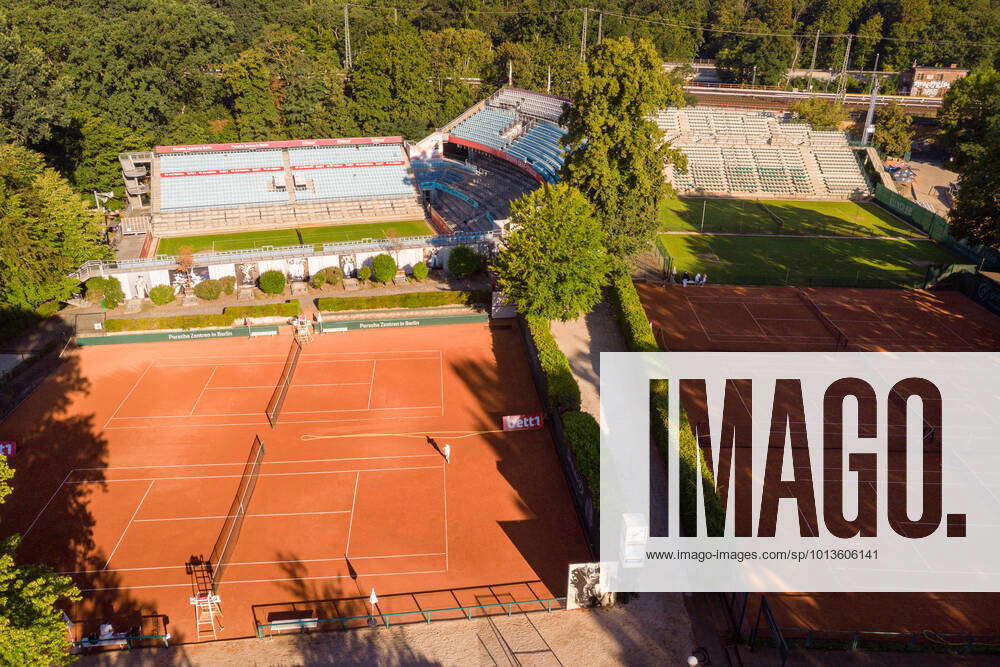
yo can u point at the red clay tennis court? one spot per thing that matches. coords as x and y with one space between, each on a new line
736 318
130 457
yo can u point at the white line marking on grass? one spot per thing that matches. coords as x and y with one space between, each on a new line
131 519
122 402
207 382
46 506
350 525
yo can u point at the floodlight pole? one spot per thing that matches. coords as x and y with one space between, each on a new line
842 84
583 38
600 28
870 117
812 65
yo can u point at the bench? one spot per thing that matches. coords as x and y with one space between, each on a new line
292 621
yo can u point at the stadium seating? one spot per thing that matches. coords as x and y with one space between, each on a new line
173 162
357 183
759 152
522 125
193 192
343 154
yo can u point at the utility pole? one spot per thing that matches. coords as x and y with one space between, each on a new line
548 80
510 73
812 65
842 84
347 38
600 28
583 38
875 68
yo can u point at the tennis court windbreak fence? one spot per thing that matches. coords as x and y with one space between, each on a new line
284 382
230 533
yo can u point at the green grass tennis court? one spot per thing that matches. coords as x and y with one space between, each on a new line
839 218
775 260
296 236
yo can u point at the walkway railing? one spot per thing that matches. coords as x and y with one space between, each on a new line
426 615
97 267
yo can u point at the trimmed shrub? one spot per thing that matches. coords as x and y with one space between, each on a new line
225 319
561 387
463 262
583 435
228 284
105 291
210 290
632 319
383 268
161 295
406 300
420 271
272 282
365 273
332 275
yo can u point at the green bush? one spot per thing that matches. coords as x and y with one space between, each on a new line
632 319
331 275
406 300
210 290
225 319
272 282
161 295
105 291
228 284
383 268
463 262
583 435
419 271
365 273
561 387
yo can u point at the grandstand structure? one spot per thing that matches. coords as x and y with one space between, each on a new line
759 154
179 190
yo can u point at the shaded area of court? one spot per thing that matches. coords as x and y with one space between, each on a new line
127 470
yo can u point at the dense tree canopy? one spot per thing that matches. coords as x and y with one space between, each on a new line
615 154
893 130
553 265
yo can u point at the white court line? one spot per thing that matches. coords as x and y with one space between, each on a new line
271 386
263 474
207 382
292 412
131 519
444 484
695 313
350 525
310 362
260 581
243 463
249 516
46 506
264 422
254 562
371 384
756 323
441 369
122 402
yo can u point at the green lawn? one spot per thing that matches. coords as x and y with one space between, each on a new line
840 218
764 260
300 236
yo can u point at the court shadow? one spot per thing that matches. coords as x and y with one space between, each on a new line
52 511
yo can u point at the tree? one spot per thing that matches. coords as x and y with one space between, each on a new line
868 37
383 268
820 113
463 262
252 85
907 22
32 97
97 166
970 117
755 55
893 130
615 154
46 231
32 631
554 264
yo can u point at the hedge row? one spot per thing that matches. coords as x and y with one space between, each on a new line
563 391
631 316
405 300
638 333
583 435
225 319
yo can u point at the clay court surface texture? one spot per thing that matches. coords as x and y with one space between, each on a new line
130 456
733 319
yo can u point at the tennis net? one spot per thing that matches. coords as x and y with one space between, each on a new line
284 382
230 532
839 336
